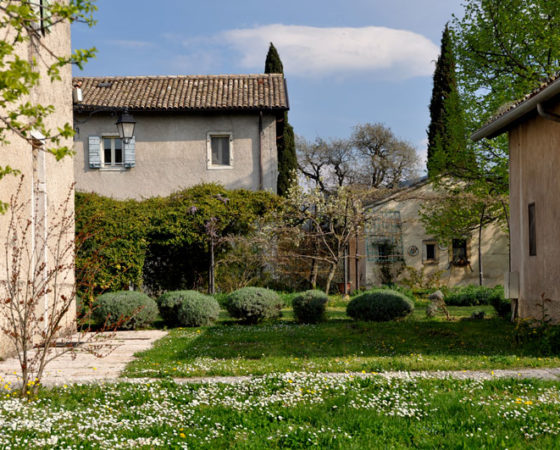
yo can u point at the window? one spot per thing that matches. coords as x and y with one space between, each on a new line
460 257
220 152
384 237
532 231
430 253
42 9
112 152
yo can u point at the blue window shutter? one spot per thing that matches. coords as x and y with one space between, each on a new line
94 152
129 153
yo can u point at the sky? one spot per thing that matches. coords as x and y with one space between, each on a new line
347 62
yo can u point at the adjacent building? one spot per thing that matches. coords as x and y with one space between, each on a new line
395 241
534 139
47 183
189 130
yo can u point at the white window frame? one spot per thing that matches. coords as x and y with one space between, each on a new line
111 167
209 137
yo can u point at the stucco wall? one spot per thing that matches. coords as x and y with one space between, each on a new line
495 249
534 166
171 154
58 176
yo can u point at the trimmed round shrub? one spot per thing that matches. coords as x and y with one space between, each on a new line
254 304
310 306
128 310
168 305
379 306
197 310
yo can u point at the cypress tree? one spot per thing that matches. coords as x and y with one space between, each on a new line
447 152
273 63
285 141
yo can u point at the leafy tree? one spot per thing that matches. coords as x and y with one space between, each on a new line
446 132
504 49
285 139
24 23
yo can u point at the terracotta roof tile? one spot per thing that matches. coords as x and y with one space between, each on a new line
184 93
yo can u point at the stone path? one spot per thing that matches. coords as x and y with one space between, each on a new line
87 368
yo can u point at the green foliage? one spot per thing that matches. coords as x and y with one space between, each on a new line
127 310
160 243
501 304
168 305
195 309
273 63
446 132
285 140
114 235
19 75
310 306
379 306
178 252
253 305
473 295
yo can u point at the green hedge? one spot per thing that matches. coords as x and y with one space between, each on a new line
472 295
128 310
379 306
310 306
253 304
160 243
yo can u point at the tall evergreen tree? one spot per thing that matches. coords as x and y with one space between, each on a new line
273 63
287 159
447 151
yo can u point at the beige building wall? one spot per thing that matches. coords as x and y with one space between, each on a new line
44 177
495 248
171 154
534 161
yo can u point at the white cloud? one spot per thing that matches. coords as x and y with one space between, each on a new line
312 51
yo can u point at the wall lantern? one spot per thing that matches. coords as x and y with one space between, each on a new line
125 125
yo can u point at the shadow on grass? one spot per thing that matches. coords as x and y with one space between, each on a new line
343 337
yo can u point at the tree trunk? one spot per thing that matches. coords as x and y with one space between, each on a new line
480 275
330 277
211 288
314 273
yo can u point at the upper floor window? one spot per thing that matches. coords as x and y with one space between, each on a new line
430 252
112 152
42 9
220 150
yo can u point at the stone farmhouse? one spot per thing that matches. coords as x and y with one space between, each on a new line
534 139
47 182
396 238
189 130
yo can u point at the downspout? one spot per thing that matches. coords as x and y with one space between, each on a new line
547 115
261 170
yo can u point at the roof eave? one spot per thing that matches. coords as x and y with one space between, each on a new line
502 123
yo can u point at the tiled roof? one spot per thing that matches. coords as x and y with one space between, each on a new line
509 108
184 93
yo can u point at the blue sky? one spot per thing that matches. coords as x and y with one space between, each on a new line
346 62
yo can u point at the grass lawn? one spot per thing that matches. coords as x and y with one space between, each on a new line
340 345
289 411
